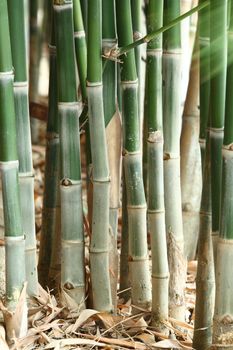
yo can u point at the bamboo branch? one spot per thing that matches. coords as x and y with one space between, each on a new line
116 52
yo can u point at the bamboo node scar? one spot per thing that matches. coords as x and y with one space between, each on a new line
112 53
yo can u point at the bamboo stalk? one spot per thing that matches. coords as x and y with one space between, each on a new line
124 258
136 13
84 12
80 48
223 315
156 213
72 245
113 137
172 127
14 235
187 49
205 281
99 248
26 175
191 176
136 204
218 65
80 16
35 46
136 24
204 76
49 244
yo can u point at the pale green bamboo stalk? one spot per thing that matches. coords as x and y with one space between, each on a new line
218 66
172 188
205 280
99 248
26 175
113 137
156 213
49 242
223 314
14 235
124 258
72 244
136 203
81 59
191 174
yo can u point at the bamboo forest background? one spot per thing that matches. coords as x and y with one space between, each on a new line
116 134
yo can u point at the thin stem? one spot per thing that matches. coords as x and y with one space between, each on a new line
114 53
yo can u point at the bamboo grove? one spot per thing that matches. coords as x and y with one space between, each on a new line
158 170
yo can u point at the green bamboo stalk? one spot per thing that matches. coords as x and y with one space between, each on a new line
191 174
26 175
84 12
48 241
27 29
205 281
136 203
218 65
72 245
187 47
113 137
136 23
136 13
80 48
156 213
99 248
81 59
172 128
204 76
14 235
223 315
34 63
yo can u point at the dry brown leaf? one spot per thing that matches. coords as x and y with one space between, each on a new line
57 333
118 342
54 313
43 297
44 327
59 344
192 267
133 326
181 324
83 317
34 310
16 322
68 302
3 343
108 320
24 343
146 338
131 322
169 344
